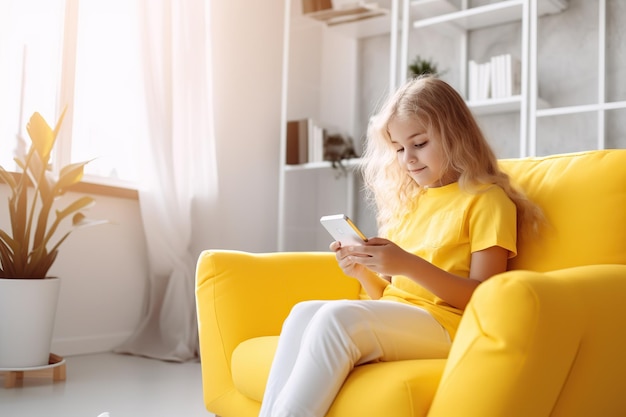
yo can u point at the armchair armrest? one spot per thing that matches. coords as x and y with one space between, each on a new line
241 295
540 344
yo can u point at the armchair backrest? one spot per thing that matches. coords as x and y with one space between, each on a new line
583 196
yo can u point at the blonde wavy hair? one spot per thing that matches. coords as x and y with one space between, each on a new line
447 119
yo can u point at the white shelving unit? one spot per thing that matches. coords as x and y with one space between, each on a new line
528 104
600 106
505 11
319 181
458 23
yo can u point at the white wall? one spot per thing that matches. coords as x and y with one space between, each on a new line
104 269
247 61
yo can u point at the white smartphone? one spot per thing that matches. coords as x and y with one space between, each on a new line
343 230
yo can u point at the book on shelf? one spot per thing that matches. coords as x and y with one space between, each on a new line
499 77
312 6
305 142
297 146
479 85
316 143
336 12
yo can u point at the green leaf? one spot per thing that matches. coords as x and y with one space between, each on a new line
8 179
18 212
42 136
9 255
70 175
40 262
77 205
81 221
8 241
39 174
45 264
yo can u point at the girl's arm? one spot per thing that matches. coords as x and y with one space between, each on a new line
385 257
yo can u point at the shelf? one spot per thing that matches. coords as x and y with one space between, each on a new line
501 105
380 24
495 106
348 163
355 22
560 111
424 9
477 17
342 14
484 16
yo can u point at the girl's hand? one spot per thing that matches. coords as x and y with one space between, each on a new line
380 255
345 259
352 260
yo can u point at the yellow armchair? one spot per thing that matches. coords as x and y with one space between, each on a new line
543 339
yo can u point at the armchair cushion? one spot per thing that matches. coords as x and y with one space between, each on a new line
251 363
583 196
540 344
409 385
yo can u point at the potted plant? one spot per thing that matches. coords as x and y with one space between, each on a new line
420 66
29 248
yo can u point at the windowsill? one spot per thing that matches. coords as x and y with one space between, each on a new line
106 190
98 188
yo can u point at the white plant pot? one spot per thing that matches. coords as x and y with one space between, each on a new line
27 311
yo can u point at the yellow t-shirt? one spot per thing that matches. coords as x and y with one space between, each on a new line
447 226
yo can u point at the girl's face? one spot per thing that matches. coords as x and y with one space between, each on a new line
419 154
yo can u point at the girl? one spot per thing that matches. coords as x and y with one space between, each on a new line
450 218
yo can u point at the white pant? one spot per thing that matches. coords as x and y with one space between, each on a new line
321 341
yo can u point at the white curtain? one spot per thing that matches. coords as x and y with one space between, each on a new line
181 179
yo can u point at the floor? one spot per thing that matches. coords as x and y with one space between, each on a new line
120 385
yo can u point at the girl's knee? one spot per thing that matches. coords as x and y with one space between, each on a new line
325 315
336 331
302 312
342 312
307 307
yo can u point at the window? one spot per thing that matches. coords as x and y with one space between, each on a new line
84 56
30 47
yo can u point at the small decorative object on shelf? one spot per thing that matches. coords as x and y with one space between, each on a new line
420 66
338 147
339 11
312 6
